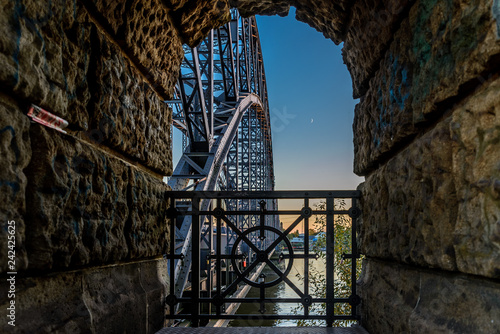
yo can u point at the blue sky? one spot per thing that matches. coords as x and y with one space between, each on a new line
311 106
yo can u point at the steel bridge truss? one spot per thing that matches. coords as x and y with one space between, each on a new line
221 107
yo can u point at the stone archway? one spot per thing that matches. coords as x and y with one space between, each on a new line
89 204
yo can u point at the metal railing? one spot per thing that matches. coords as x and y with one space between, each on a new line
251 249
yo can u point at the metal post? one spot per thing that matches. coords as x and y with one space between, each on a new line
171 260
330 257
211 82
195 264
210 278
354 252
306 256
218 256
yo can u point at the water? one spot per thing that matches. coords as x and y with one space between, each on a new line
281 290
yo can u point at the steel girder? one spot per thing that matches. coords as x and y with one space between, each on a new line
221 107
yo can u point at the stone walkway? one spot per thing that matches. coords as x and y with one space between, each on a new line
263 330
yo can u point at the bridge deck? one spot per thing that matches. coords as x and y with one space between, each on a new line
264 330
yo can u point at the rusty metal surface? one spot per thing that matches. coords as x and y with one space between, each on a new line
264 330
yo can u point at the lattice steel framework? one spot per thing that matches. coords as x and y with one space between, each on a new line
221 107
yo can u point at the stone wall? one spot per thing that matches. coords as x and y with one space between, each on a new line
89 205
126 298
427 139
331 18
420 300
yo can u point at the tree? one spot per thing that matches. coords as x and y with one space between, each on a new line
343 281
292 235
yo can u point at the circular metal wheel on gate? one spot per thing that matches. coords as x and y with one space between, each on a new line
262 256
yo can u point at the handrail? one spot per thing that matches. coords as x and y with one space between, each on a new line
261 240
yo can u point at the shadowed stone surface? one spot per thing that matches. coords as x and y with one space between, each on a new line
147 228
413 215
154 41
475 130
248 8
383 118
403 299
437 202
58 51
45 53
93 300
381 282
113 14
195 19
59 296
87 192
94 217
328 17
145 32
15 151
369 34
452 44
438 53
425 136
175 4
127 115
83 205
132 298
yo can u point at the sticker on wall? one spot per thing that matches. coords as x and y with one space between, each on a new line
44 117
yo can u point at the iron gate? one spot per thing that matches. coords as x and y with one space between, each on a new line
210 212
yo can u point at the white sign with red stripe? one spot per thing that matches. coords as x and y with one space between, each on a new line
44 117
